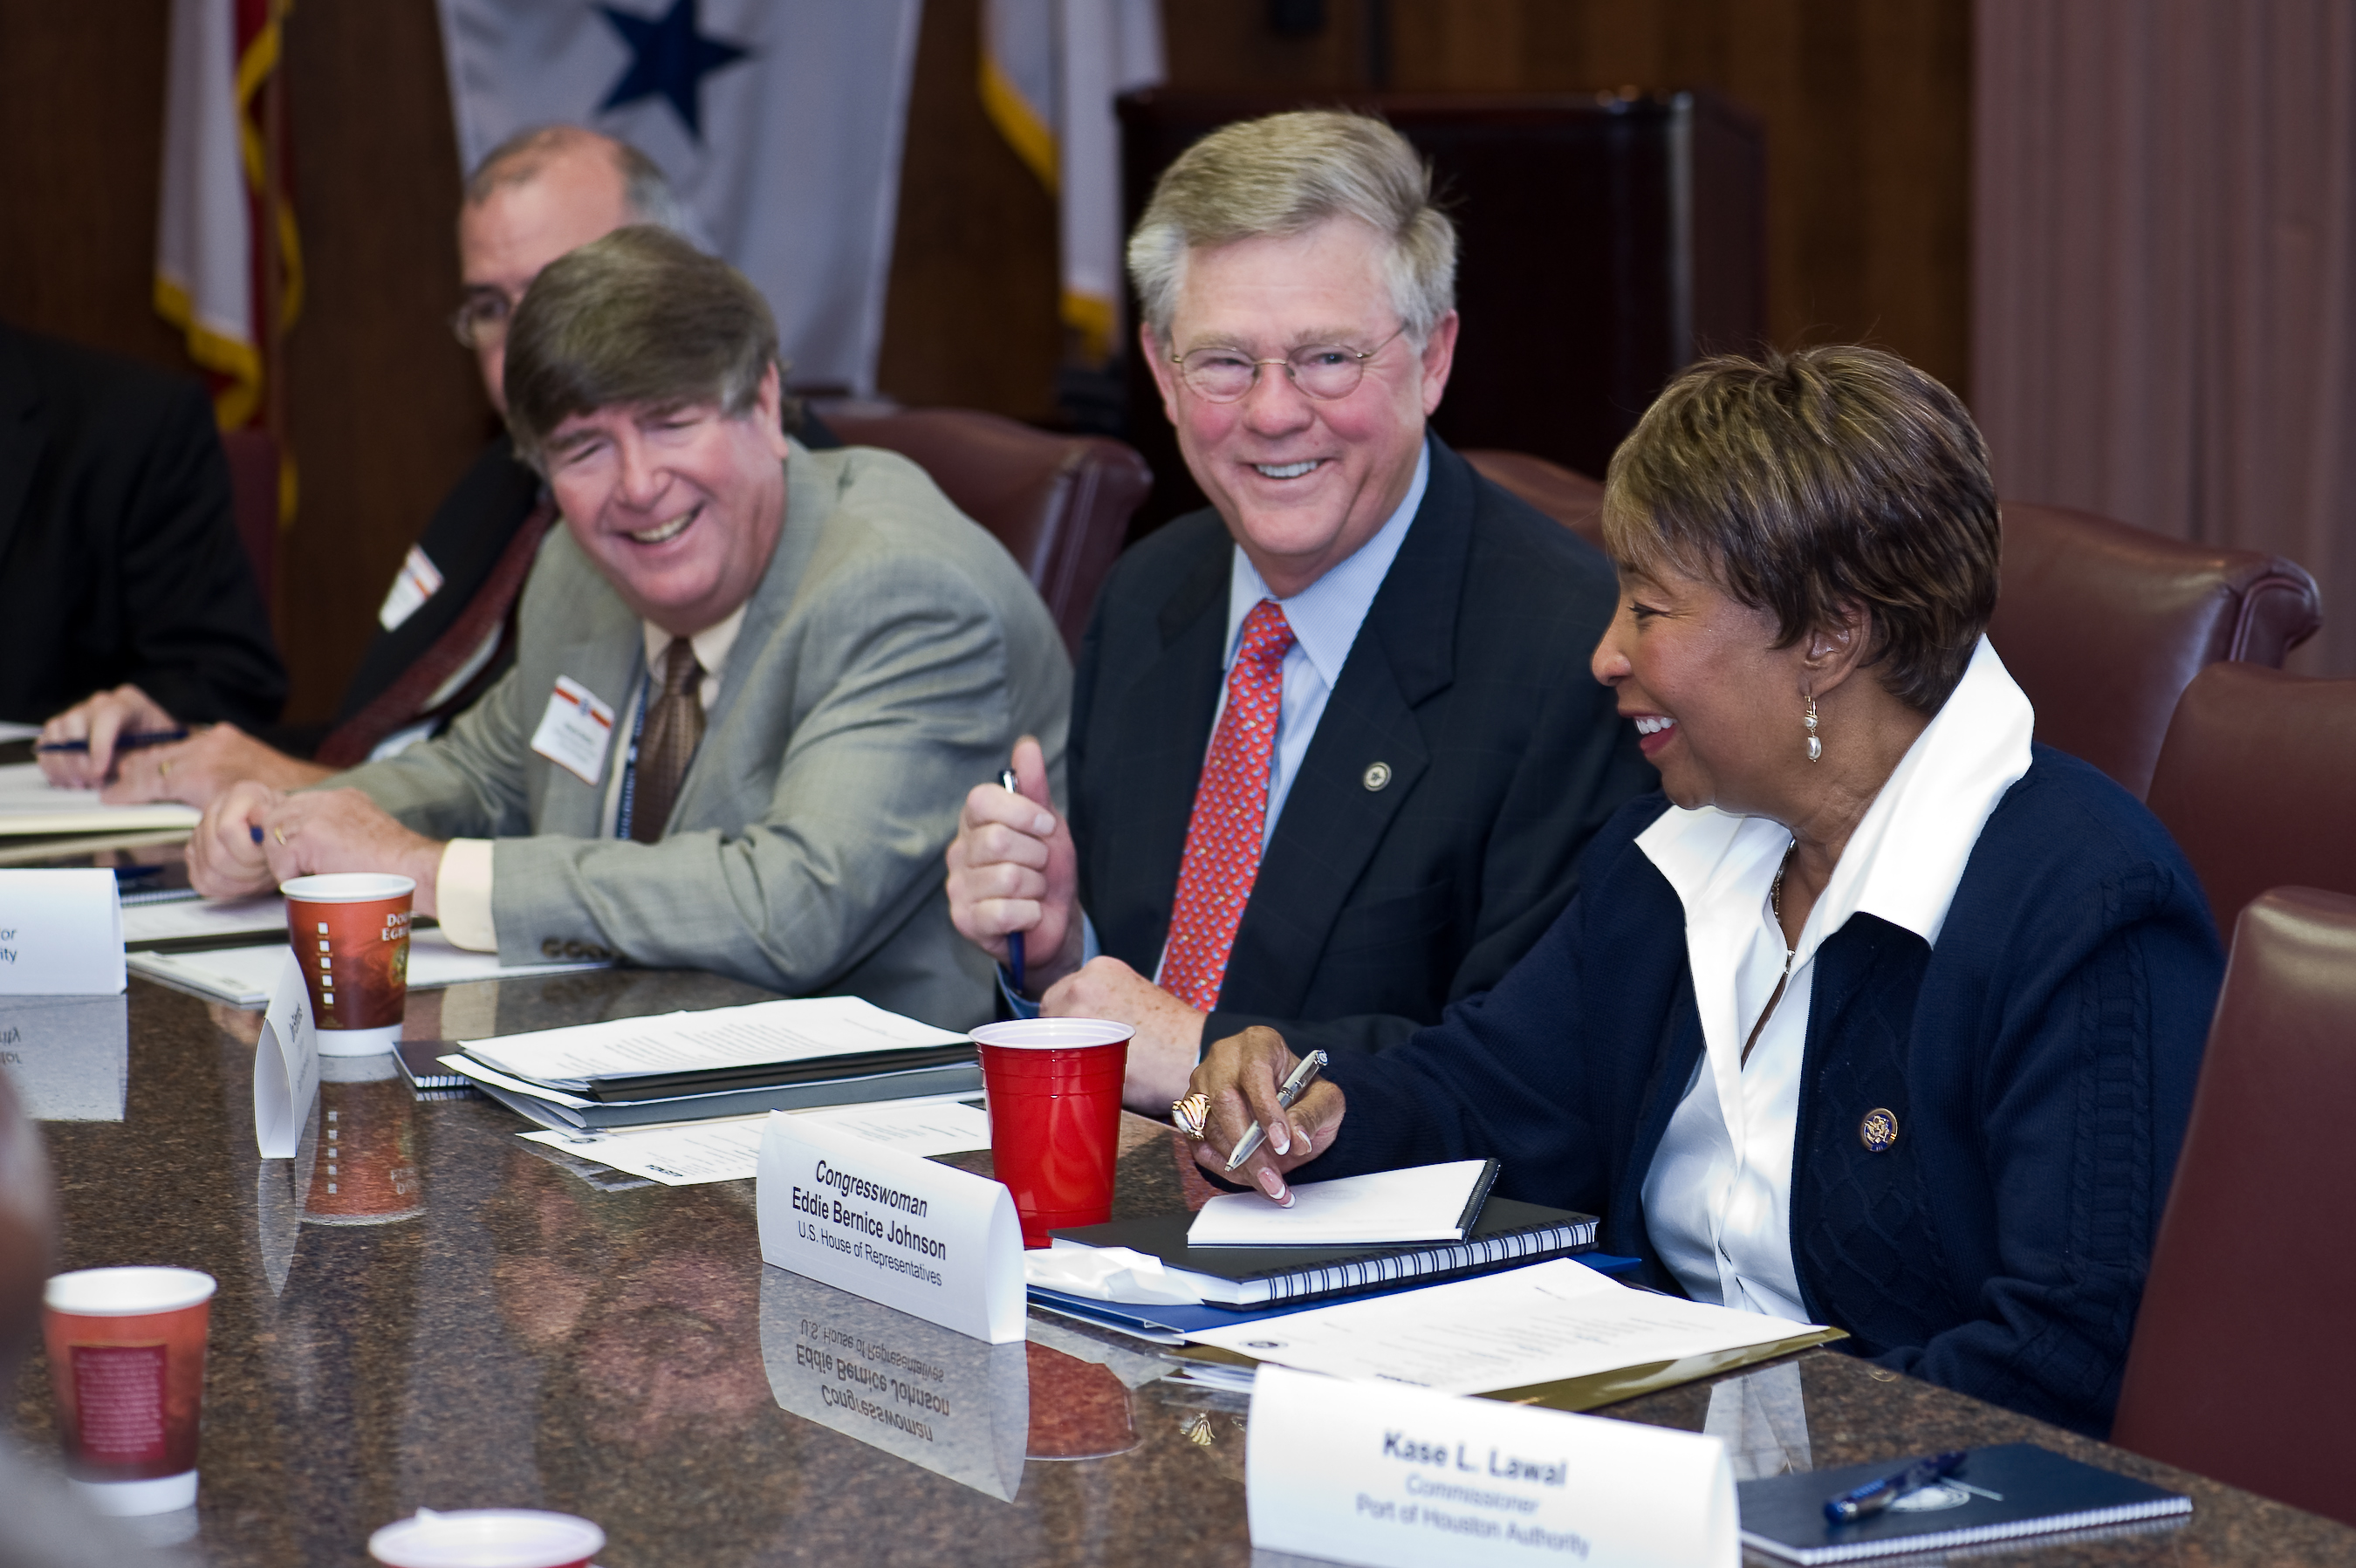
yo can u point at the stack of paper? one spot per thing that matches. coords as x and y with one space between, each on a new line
245 976
729 1149
28 805
728 1061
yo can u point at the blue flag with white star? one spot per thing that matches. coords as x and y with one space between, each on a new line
779 122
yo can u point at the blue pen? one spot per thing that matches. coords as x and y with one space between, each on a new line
1866 1501
1006 781
131 740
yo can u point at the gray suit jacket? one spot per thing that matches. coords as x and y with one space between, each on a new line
888 660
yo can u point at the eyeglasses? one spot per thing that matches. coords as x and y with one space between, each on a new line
1324 371
482 321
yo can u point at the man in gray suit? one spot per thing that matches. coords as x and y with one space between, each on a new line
751 681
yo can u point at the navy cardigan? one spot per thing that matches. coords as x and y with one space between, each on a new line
2040 1063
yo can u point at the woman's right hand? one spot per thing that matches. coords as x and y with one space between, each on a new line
1239 1076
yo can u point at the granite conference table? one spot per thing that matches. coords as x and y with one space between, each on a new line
506 1333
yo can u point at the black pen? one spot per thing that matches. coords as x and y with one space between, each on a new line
1865 1501
1006 781
130 740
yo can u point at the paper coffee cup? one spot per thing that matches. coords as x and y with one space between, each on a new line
127 1364
486 1537
364 1168
349 931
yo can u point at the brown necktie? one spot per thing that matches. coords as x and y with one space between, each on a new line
674 726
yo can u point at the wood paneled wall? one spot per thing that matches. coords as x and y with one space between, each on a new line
1865 101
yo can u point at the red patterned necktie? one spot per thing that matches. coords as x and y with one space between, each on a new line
1223 839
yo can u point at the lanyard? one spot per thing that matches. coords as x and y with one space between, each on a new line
630 762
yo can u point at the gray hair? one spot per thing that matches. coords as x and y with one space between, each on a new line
639 318
518 160
1285 175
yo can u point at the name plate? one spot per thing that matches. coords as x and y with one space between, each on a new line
60 934
932 1396
927 1239
285 1065
1393 1477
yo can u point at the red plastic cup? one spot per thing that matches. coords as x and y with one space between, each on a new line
349 931
1053 1087
1079 1409
487 1538
127 1362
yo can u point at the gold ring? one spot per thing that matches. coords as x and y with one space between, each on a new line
1192 1115
281 833
163 770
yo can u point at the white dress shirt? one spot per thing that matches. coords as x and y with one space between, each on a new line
1718 1199
461 886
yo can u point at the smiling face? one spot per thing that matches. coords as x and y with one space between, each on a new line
1300 482
679 508
1716 704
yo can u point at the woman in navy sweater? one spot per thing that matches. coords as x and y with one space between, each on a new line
1877 1015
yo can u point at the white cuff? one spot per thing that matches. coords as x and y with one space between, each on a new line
462 894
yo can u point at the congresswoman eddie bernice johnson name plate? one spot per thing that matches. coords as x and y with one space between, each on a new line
927 1239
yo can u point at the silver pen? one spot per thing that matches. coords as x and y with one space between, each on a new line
1294 1088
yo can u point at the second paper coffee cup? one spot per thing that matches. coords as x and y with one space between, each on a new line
349 931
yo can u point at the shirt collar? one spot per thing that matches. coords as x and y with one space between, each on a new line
1325 616
712 644
1908 854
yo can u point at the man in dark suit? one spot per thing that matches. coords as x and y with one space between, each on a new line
1334 751
119 555
445 631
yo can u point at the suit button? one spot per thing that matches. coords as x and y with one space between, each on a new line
551 948
1377 775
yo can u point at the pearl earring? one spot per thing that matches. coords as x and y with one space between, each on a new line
1815 746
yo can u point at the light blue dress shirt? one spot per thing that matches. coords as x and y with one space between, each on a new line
1325 618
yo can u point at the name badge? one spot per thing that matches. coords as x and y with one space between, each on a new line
419 581
60 934
576 732
285 1065
929 1239
1395 1478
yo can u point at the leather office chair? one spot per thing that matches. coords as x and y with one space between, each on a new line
2242 1366
2104 624
253 498
2248 780
1060 504
1569 497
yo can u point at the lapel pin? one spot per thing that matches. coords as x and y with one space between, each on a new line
1377 775
1878 1130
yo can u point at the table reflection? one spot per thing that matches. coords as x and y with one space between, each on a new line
68 1057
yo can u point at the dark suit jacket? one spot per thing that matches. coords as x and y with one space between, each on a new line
1374 906
119 553
2039 1062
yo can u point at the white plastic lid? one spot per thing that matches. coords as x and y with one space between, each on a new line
347 887
127 1292
486 1537
1049 1034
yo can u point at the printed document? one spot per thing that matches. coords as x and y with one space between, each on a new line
1547 1322
164 921
1423 1203
751 1036
682 1154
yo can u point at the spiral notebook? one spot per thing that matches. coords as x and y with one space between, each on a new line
1507 1233
2008 1492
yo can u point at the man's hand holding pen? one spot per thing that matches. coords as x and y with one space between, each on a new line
1242 1077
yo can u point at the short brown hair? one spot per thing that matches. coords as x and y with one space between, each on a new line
637 318
1803 483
